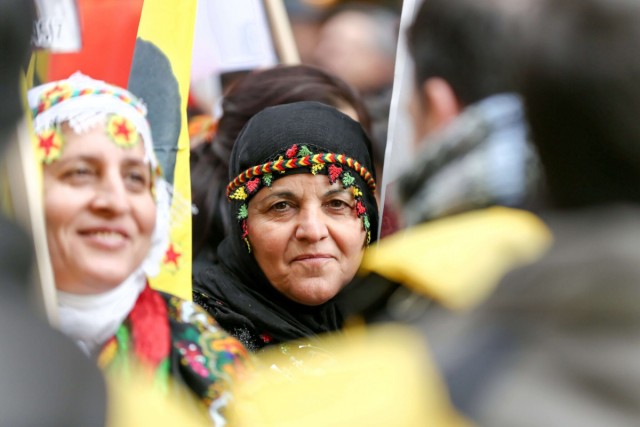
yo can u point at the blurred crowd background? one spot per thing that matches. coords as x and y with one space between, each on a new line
520 150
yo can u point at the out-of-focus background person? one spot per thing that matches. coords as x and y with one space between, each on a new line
44 378
555 342
357 42
471 148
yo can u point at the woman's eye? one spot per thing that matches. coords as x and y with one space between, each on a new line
138 180
280 206
338 204
79 173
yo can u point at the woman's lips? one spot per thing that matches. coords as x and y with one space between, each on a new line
313 259
105 238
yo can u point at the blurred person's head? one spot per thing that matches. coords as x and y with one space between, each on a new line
357 42
471 138
582 96
305 18
463 52
17 18
245 98
61 367
16 26
106 204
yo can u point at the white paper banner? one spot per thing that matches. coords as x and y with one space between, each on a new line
231 36
58 27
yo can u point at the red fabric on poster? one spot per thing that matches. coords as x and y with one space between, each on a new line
109 29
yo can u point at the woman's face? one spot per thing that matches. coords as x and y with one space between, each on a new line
99 210
306 236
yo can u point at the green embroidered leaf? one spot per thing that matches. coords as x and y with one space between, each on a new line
365 221
243 213
348 179
304 151
267 178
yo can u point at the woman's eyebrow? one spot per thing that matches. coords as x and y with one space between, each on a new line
85 157
76 158
335 191
282 194
132 161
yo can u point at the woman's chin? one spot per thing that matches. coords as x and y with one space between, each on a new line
313 292
97 283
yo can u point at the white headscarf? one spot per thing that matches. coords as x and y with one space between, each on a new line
83 103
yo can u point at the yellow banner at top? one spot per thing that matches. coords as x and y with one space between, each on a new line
160 75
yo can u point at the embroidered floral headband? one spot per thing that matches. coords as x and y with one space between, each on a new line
338 167
301 157
82 102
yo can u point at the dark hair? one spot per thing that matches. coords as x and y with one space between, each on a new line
16 25
468 43
582 98
248 96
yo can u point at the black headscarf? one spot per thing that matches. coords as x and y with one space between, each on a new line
235 290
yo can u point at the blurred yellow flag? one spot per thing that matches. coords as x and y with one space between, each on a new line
160 75
459 260
381 376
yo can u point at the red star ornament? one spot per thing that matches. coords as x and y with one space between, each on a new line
172 256
49 145
122 131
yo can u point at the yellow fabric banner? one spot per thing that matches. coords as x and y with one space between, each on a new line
460 259
160 75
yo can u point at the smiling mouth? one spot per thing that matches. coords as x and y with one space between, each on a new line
313 258
108 239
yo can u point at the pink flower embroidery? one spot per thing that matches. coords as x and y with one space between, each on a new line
291 152
253 185
245 229
334 173
194 358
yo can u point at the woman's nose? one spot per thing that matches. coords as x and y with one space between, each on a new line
312 225
111 195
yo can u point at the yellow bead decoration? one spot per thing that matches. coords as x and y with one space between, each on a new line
316 168
239 194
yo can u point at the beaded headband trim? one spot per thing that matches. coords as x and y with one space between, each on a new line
62 92
308 160
83 102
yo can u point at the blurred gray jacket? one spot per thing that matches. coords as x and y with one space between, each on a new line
558 343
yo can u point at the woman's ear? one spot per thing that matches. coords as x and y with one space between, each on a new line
440 102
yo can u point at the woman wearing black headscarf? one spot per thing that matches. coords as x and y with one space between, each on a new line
302 189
